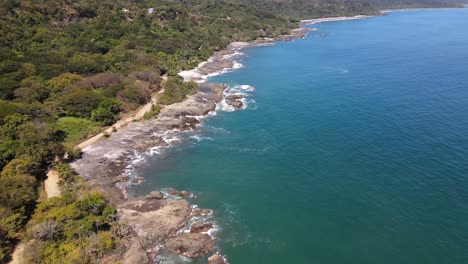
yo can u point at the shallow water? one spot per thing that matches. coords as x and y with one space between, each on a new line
353 147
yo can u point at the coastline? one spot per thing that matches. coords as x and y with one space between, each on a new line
162 219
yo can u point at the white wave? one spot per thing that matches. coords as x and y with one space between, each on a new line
237 65
242 89
223 106
217 130
235 54
168 196
244 103
167 257
199 138
198 117
247 87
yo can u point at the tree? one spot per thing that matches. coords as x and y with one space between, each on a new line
17 191
80 103
57 84
107 111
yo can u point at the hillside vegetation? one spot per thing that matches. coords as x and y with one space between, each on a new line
69 68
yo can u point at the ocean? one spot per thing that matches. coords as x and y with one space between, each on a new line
353 147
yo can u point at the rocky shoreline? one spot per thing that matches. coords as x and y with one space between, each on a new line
157 222
224 60
152 222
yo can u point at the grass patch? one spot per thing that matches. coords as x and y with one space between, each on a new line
155 109
77 129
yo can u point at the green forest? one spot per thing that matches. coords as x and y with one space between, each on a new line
70 68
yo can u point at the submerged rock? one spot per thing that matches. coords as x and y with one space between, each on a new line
175 192
201 212
201 227
191 245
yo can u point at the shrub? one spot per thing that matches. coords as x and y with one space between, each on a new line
155 109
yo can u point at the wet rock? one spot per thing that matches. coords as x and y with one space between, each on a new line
191 245
155 195
147 142
137 180
216 259
123 178
235 100
201 227
201 212
175 192
189 122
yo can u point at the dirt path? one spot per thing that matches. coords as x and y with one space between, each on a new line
123 122
51 184
52 190
17 254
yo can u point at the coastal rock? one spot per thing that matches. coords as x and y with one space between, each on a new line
189 123
199 104
135 253
216 259
216 65
154 219
235 100
148 141
191 245
155 195
201 212
137 180
201 227
296 33
175 192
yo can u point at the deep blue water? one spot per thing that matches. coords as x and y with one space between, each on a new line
354 151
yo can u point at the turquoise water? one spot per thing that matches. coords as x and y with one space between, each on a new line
354 151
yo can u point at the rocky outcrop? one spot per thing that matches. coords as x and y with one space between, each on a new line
201 212
235 100
216 259
155 195
196 105
201 227
135 253
191 245
182 194
296 33
154 219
